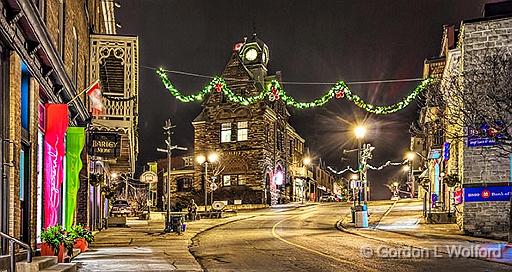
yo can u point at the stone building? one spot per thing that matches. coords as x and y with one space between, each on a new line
468 172
256 146
45 57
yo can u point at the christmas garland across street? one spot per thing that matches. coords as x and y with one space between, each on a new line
273 91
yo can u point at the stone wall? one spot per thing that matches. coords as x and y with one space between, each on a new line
487 219
485 165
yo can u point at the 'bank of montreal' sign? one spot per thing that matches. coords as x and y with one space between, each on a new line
104 144
483 194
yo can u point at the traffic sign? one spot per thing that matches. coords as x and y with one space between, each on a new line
149 177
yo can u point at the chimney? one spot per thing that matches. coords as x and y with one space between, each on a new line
502 8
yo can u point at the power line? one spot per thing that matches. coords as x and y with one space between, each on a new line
288 82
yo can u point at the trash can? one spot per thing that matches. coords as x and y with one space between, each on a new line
361 216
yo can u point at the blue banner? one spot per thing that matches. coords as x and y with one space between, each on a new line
482 194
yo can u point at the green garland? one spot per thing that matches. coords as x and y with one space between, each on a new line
273 91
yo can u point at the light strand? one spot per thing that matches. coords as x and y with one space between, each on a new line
273 91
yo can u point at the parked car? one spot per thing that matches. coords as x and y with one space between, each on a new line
121 207
326 198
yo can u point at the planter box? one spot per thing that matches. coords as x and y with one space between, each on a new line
47 250
81 244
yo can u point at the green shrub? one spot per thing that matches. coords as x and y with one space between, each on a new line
79 231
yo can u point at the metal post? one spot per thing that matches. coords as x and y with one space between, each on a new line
359 164
13 256
168 128
205 186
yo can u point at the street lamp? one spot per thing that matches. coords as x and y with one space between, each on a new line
205 160
307 161
410 156
360 132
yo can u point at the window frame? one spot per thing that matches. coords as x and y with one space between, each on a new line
240 129
228 131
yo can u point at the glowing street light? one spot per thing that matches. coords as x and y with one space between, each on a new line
114 175
360 132
213 157
200 159
354 176
410 156
406 168
307 161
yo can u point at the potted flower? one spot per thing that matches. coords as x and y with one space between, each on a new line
56 243
81 237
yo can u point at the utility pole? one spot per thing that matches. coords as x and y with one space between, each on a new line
168 130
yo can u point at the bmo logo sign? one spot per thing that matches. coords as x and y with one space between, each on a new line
486 194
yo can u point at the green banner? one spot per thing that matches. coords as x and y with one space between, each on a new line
75 140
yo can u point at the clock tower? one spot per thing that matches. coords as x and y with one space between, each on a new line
254 55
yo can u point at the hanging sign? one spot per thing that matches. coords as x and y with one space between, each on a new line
104 144
149 177
483 194
75 140
54 151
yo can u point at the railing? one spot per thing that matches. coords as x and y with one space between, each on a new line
13 241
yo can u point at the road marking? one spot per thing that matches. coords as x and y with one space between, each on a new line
274 233
385 214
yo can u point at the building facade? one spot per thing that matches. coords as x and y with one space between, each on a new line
256 145
469 175
44 112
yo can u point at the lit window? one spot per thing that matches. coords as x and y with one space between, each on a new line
226 180
242 131
242 180
225 133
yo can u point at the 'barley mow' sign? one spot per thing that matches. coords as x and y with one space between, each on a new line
104 144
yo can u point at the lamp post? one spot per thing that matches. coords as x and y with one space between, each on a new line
410 179
205 160
360 132
307 162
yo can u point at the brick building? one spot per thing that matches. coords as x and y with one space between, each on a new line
256 145
467 174
45 56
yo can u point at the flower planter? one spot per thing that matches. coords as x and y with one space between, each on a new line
47 250
81 244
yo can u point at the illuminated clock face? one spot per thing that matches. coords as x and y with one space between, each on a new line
251 54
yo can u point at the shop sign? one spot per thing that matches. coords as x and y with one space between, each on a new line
485 135
483 194
54 151
149 177
104 144
446 151
435 154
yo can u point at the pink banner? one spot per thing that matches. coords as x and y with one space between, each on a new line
54 152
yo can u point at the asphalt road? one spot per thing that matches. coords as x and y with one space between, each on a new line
306 239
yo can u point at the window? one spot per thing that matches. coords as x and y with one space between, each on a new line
184 184
226 180
225 133
242 180
25 94
242 131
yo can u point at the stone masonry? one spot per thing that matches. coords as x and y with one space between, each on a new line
484 165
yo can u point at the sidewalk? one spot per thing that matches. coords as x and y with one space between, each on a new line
401 223
144 247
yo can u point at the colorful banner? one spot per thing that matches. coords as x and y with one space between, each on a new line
54 151
75 140
483 194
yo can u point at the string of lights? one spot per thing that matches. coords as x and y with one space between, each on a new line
274 91
388 163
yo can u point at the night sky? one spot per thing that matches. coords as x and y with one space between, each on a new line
309 41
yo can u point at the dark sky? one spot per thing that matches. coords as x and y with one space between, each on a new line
312 41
